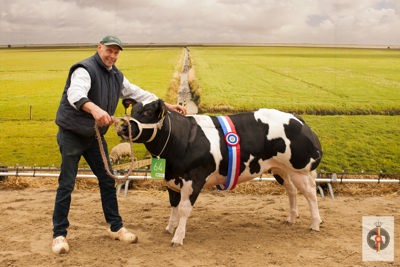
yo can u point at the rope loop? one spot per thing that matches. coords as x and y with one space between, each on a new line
103 154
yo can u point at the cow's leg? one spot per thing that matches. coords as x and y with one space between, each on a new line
184 210
306 185
292 194
174 198
189 192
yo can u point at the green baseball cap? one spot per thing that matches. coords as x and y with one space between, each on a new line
111 40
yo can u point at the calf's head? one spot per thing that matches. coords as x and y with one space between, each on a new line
144 122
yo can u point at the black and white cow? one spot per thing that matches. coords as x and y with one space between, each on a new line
197 154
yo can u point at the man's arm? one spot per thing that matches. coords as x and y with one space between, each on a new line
139 95
101 117
77 97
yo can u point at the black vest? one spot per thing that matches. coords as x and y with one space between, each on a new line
105 89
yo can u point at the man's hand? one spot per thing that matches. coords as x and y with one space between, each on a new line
101 117
178 108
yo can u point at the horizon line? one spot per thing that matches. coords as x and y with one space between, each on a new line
184 44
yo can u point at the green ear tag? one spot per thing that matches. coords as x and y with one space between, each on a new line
158 168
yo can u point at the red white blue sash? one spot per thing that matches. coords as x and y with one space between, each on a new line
233 143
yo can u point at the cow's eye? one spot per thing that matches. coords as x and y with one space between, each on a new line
147 113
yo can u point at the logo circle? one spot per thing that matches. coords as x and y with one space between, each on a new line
232 139
373 239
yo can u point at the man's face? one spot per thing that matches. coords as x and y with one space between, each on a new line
108 54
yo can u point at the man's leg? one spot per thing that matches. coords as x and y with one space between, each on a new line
106 183
71 149
108 193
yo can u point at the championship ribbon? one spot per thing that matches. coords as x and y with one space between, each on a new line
233 143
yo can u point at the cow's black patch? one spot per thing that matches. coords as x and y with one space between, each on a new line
304 144
279 179
272 147
254 166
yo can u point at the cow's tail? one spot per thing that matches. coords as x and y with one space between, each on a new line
317 159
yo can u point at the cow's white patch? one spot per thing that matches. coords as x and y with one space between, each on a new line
184 210
275 119
173 220
246 175
212 135
246 171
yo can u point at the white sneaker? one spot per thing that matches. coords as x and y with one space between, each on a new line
124 235
60 245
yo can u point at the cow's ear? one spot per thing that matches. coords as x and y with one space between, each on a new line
128 104
161 109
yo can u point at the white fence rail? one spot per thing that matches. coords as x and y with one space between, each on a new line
333 178
33 172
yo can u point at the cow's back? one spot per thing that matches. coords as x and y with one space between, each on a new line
268 139
302 146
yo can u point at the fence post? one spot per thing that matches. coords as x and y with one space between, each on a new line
3 169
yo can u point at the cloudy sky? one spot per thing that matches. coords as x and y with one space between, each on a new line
361 22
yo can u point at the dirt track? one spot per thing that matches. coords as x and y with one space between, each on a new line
225 229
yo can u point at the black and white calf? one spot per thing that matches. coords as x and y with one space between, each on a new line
206 150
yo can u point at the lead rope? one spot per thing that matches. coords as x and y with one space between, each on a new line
166 142
103 154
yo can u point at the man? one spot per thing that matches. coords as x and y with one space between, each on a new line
91 94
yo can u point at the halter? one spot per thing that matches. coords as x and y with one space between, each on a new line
153 126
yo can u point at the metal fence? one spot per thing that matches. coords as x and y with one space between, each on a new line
327 178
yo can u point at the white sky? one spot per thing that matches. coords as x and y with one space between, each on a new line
360 22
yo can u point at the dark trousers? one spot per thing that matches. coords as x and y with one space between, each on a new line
72 147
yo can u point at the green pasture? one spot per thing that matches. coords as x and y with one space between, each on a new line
358 143
301 80
31 84
343 82
36 77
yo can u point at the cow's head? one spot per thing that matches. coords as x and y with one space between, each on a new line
145 121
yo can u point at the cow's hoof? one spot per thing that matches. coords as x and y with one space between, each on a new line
176 242
166 231
169 230
293 217
175 245
287 222
314 228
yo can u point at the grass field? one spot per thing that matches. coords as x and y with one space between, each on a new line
36 78
31 77
358 143
301 80
304 80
